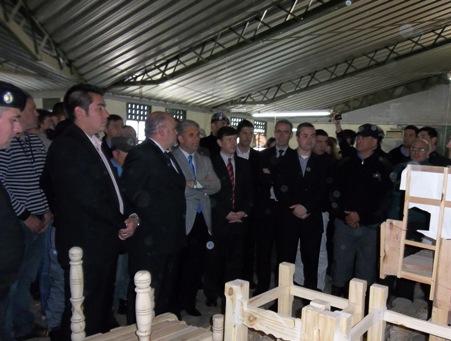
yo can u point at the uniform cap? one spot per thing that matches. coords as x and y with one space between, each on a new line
219 116
372 130
11 96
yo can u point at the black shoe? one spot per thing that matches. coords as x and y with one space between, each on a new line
192 311
37 331
56 334
122 308
211 302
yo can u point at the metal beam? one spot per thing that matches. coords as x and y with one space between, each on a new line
273 20
389 94
350 67
17 18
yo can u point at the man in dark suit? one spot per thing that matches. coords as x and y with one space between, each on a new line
114 125
271 201
201 182
244 150
306 190
88 207
12 102
154 186
401 153
230 208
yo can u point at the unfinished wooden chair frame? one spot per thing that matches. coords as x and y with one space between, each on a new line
430 267
317 322
243 312
148 327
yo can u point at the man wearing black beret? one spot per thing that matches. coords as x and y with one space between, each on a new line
12 102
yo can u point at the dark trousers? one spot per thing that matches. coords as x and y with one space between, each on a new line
225 260
270 222
308 232
192 263
164 269
250 248
98 292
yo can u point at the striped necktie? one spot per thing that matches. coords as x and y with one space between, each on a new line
232 180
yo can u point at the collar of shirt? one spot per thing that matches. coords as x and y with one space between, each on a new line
226 157
159 145
244 155
304 156
281 148
186 154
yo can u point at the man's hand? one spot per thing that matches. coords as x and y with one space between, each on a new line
190 183
131 224
336 122
352 218
299 211
236 217
35 224
48 218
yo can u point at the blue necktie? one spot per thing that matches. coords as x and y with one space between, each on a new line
191 164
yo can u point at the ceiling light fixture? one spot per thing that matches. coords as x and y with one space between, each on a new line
301 113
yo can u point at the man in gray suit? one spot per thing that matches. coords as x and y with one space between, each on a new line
201 181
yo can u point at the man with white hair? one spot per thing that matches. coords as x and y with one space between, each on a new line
154 186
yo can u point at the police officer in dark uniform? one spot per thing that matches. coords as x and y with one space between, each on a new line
359 200
209 143
12 102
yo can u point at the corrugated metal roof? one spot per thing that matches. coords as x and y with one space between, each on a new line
109 40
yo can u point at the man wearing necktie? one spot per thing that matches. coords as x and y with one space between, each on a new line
201 182
154 186
230 207
271 200
84 195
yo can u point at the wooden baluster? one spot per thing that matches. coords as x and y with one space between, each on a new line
77 320
236 293
144 305
218 327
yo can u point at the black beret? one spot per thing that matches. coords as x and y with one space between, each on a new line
11 96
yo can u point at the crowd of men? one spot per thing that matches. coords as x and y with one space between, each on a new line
194 212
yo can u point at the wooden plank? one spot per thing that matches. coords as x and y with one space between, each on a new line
362 327
309 294
442 297
390 247
285 301
420 263
271 323
264 298
378 300
237 294
420 245
356 300
424 201
417 324
415 277
440 317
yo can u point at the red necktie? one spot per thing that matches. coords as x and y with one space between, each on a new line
232 180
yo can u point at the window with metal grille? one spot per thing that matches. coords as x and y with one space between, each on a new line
260 127
234 121
136 118
178 114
